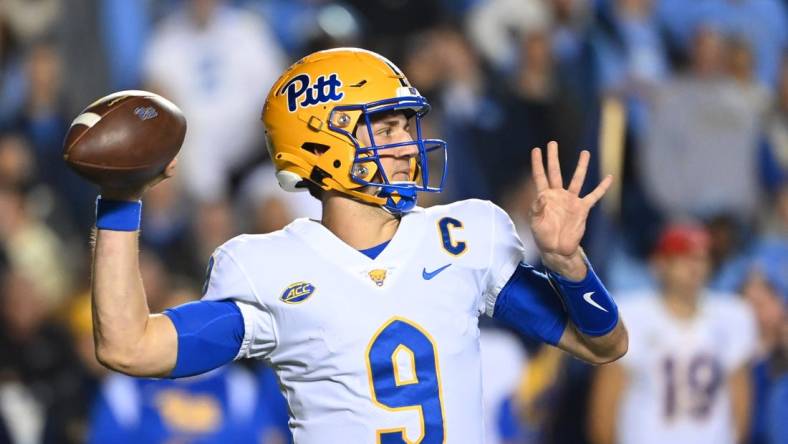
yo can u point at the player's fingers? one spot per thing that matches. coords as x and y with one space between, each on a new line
169 171
580 173
553 166
593 197
537 170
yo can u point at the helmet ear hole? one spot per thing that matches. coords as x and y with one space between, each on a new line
315 148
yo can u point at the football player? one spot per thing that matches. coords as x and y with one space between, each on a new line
370 315
686 376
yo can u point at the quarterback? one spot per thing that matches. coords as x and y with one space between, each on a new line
369 316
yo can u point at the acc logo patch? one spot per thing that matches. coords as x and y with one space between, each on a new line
378 277
297 292
301 92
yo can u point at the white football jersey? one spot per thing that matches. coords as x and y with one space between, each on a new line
383 350
678 370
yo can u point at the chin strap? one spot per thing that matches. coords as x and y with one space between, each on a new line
398 201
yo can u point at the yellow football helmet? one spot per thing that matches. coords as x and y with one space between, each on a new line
311 115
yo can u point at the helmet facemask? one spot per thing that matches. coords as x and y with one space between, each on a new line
367 169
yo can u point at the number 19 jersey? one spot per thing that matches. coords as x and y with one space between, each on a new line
374 350
678 370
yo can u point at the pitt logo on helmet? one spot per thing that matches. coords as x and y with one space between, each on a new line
324 90
297 292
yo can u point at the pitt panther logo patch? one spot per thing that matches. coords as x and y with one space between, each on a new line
378 277
302 92
297 292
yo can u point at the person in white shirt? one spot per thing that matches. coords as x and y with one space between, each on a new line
685 378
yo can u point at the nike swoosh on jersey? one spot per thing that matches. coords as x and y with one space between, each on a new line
429 275
587 298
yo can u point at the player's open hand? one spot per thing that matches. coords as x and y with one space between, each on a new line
558 215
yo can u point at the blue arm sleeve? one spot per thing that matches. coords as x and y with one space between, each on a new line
529 304
210 333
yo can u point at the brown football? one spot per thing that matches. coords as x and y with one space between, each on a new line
125 139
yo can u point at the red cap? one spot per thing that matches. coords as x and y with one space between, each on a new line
683 239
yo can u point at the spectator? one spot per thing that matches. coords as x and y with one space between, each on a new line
741 67
762 23
630 56
17 166
685 378
168 219
769 307
775 160
538 107
572 20
499 382
386 22
33 250
216 62
493 23
125 26
42 384
44 123
551 400
777 404
86 73
699 156
30 21
444 67
222 406
12 86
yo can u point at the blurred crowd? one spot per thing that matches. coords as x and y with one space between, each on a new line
684 102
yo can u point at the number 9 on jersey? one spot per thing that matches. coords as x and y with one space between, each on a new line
421 391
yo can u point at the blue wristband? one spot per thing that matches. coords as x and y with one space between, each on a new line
588 303
118 215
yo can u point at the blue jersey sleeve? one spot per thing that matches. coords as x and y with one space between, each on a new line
529 304
210 334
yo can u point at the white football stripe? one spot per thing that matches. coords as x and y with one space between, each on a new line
88 119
